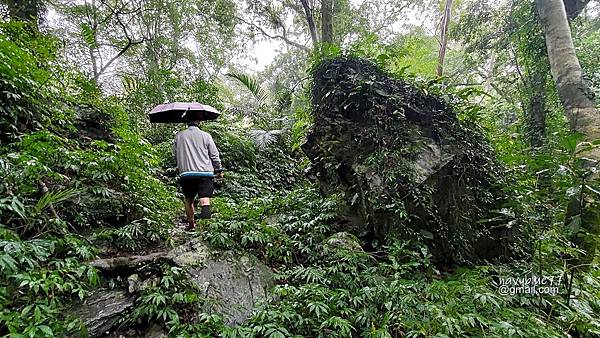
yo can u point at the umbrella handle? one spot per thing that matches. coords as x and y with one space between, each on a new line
185 112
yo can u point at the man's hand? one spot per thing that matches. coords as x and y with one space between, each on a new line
219 179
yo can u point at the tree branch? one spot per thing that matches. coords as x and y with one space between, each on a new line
310 21
283 37
130 42
118 55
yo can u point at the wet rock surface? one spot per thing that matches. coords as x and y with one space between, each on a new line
102 310
235 283
237 286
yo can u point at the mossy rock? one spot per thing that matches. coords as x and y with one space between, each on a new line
406 166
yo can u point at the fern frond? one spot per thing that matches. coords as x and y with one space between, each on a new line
260 94
89 35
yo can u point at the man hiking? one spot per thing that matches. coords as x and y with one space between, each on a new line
197 161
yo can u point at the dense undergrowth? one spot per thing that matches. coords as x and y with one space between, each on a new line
328 286
66 198
61 192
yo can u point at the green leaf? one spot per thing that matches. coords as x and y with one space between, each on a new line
46 330
89 35
426 234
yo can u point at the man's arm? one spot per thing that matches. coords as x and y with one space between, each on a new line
175 149
213 153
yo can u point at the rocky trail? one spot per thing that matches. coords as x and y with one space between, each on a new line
233 284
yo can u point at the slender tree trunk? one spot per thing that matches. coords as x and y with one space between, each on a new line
538 71
327 21
581 112
94 64
536 110
444 36
573 92
310 21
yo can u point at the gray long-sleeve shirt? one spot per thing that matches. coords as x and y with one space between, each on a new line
195 151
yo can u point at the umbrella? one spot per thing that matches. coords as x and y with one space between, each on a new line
181 112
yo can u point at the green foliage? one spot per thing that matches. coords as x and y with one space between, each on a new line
260 94
62 193
260 226
24 59
88 35
177 302
414 54
464 304
37 279
251 170
329 290
57 184
270 114
105 175
587 43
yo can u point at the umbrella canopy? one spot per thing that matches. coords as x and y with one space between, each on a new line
181 112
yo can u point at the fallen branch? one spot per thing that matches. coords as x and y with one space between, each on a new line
127 262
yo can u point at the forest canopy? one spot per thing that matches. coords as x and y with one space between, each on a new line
393 168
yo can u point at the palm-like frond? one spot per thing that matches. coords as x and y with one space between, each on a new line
284 101
130 84
260 94
264 138
53 198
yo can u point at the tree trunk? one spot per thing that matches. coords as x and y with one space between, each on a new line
536 111
327 21
444 37
537 69
573 92
537 77
311 22
582 213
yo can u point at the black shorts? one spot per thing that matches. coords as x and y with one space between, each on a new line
201 186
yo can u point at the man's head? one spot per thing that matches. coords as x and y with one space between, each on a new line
193 123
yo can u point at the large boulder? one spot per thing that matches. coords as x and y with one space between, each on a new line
404 163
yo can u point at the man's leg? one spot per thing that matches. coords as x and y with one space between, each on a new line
205 205
206 192
189 192
189 212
